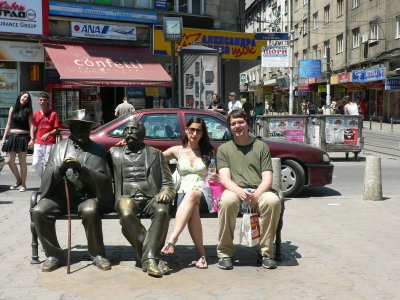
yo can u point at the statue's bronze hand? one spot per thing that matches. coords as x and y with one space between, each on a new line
163 197
73 163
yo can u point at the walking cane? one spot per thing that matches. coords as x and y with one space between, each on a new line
69 225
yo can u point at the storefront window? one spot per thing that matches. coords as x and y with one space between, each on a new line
8 90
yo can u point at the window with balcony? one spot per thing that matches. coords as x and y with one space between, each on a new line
305 54
315 20
340 7
327 14
305 2
356 37
398 27
356 3
339 43
296 31
374 32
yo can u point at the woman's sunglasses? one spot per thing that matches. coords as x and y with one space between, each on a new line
193 130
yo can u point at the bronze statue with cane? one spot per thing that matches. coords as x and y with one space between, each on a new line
88 186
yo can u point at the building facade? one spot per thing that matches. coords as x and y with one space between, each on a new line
357 42
79 49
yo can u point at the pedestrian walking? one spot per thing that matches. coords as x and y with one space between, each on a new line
125 108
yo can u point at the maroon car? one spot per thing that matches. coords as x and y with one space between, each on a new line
301 164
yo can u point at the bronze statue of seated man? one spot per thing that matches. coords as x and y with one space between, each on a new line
143 185
84 165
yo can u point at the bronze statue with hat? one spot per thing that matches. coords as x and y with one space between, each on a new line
83 164
143 185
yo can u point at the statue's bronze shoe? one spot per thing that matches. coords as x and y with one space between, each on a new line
102 263
50 264
151 267
163 266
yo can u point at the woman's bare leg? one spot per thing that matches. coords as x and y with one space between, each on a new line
182 217
23 167
196 232
13 166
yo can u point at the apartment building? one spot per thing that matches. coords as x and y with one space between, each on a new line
357 41
269 85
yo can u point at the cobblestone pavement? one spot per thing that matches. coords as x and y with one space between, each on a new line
336 247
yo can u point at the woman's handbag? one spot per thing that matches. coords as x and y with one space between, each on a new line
4 148
250 230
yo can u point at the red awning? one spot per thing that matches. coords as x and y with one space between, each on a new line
104 65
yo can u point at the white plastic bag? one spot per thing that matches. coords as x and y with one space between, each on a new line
250 230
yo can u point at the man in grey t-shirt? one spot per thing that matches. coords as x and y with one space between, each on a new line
125 108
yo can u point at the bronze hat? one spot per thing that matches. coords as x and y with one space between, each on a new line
80 116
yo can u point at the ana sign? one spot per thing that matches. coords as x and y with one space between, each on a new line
100 31
24 16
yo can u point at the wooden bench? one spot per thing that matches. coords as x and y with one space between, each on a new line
35 197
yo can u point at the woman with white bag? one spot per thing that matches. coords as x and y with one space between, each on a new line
193 192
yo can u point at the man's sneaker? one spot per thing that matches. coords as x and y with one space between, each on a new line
225 263
269 263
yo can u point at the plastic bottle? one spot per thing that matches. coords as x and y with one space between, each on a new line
245 205
212 168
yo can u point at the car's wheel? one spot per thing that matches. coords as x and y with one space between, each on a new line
293 178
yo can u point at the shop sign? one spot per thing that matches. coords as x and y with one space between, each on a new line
8 87
24 16
275 57
20 51
242 78
103 31
151 91
106 13
310 68
135 92
368 75
300 94
334 79
344 77
392 84
302 85
234 45
161 4
321 88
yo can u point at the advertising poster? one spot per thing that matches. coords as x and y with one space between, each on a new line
291 129
8 87
334 130
350 131
313 135
200 78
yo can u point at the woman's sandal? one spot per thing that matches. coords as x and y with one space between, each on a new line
202 263
167 247
16 186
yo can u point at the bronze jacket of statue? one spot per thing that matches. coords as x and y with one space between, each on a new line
95 175
158 174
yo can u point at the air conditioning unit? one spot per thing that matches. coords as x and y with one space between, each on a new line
364 38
